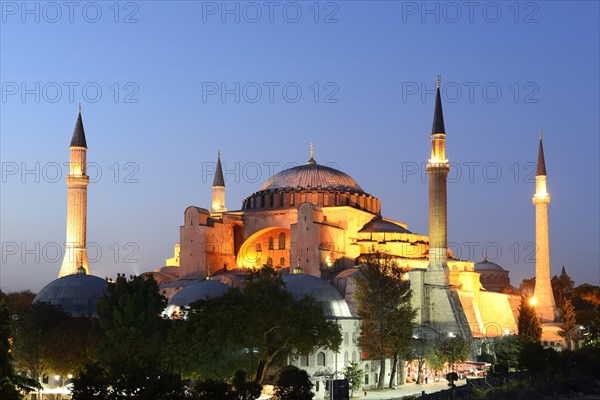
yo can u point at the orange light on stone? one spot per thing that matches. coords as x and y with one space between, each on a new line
533 301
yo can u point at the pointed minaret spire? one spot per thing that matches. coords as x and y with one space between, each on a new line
78 138
218 188
438 115
218 179
541 163
312 161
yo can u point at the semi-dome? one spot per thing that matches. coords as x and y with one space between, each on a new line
195 291
486 265
301 285
312 176
75 294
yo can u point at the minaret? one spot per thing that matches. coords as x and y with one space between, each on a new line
543 298
437 170
77 182
218 189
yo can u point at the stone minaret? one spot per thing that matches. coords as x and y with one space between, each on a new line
437 170
77 182
218 189
543 298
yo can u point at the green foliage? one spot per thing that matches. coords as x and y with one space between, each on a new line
452 349
562 287
254 327
536 359
74 345
19 302
293 384
485 357
11 384
213 390
32 347
507 349
529 326
383 299
568 325
355 375
129 359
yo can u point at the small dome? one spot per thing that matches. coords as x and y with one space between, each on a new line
301 285
76 294
197 290
380 225
486 265
312 177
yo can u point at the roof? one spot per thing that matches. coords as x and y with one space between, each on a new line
198 290
301 285
218 179
76 294
379 224
541 163
78 139
486 265
438 115
312 176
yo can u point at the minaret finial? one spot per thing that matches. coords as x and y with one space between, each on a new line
541 134
80 107
312 161
439 81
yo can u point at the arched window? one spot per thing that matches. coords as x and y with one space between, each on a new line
345 337
345 358
354 341
321 359
282 261
282 241
269 261
258 246
304 361
353 356
271 243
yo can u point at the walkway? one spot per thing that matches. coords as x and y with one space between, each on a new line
404 390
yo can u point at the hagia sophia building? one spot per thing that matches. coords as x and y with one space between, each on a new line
313 223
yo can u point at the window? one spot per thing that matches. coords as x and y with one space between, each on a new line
317 386
345 358
321 359
345 337
282 261
269 261
354 341
353 356
366 379
271 243
304 361
282 241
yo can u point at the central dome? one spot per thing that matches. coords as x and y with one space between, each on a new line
312 177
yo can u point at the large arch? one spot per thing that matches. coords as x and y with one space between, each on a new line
255 251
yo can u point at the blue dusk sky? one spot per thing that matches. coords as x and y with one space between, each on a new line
165 85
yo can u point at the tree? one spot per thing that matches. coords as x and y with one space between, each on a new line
568 325
11 384
254 328
75 342
129 359
355 375
507 350
383 303
529 326
294 384
453 349
31 347
19 302
422 350
562 287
